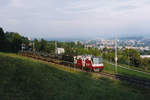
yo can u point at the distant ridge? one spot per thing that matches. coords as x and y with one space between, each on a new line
64 39
132 38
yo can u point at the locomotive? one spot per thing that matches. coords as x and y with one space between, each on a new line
89 62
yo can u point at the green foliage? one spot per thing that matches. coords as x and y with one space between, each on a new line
145 63
128 56
2 40
11 41
36 44
51 47
25 40
43 45
123 59
71 48
16 42
134 56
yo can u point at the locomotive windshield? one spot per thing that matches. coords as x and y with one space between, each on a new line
97 60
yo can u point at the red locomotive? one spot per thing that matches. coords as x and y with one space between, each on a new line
89 62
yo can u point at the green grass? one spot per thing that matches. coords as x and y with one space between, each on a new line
133 67
111 69
23 78
136 68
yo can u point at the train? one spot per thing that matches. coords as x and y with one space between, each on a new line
89 62
86 62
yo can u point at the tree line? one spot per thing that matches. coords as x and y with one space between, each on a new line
12 42
71 48
129 57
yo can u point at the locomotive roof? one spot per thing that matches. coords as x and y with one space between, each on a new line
88 56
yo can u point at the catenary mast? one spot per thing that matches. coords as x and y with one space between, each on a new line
116 56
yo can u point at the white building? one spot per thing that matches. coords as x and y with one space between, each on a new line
130 47
60 50
145 56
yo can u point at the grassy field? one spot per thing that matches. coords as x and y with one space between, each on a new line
111 69
136 68
23 78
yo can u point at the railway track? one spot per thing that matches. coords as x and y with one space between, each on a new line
136 81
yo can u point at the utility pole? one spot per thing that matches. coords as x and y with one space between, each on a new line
116 57
56 47
128 59
22 47
33 46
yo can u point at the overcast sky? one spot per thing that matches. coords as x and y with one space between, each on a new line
75 18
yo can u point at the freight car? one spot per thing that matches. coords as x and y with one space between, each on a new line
67 60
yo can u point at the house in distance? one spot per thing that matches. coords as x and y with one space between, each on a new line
60 51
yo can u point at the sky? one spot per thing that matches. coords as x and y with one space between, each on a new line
75 18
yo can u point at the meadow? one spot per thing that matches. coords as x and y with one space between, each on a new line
126 72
